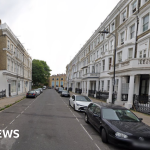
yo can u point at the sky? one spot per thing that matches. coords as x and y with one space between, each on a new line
54 30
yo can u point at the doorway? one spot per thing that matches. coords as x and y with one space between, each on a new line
9 89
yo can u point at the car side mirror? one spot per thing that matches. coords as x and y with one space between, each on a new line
140 119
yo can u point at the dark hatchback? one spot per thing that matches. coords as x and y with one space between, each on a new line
31 94
118 125
65 93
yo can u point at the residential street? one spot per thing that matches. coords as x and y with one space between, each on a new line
47 122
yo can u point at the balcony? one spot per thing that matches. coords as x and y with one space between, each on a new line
91 75
138 63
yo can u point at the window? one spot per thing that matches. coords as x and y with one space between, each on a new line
18 86
98 40
132 31
57 79
93 69
108 85
102 86
52 78
133 7
145 23
110 61
122 38
91 58
97 111
13 86
12 48
12 65
106 48
91 107
119 56
116 85
97 68
123 16
112 27
57 84
103 65
111 44
8 64
130 53
97 54
100 67
142 54
61 78
8 44
61 83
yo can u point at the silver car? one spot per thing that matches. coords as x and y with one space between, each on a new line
37 91
41 90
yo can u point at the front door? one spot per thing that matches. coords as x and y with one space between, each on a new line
9 89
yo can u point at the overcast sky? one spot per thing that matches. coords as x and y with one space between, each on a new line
54 30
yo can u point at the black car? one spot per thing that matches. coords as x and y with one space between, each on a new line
118 125
31 94
65 93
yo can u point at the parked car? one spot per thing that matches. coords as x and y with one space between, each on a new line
44 87
118 125
38 91
65 93
60 89
56 88
41 91
79 102
31 94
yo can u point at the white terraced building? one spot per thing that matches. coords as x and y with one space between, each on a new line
91 70
15 64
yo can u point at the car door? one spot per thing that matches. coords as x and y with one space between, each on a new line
97 117
91 108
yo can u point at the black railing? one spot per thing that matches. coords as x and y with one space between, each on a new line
2 93
77 90
102 95
91 93
70 89
141 103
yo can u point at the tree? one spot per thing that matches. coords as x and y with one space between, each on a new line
40 72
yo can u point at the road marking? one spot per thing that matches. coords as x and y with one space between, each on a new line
18 116
86 132
74 114
12 121
22 112
97 146
77 119
5 128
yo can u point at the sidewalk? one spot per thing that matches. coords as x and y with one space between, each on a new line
146 118
10 100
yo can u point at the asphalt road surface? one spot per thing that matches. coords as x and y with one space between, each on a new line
48 123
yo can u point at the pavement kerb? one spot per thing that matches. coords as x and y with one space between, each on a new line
9 101
146 118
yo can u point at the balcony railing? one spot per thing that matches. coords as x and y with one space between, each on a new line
91 75
77 90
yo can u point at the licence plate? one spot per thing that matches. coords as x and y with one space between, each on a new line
30 94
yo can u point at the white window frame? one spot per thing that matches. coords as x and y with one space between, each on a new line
108 85
122 39
112 25
111 44
145 23
143 53
132 33
109 64
130 49
103 62
119 56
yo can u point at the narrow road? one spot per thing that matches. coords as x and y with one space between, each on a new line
48 123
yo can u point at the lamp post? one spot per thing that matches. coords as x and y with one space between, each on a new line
113 96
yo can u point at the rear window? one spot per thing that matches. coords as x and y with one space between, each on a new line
31 92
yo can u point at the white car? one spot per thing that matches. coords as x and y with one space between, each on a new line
44 87
79 102
37 91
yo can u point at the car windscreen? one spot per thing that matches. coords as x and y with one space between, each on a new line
83 98
65 92
118 114
36 90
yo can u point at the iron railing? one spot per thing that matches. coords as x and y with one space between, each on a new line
77 90
141 103
102 95
91 93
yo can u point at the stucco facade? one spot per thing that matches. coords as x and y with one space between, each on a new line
92 68
15 64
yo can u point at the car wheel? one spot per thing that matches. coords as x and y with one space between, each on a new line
104 136
86 118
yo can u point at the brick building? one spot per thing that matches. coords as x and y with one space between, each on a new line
58 80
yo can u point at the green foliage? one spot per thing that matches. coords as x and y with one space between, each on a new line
40 72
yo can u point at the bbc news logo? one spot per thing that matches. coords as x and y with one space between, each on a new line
9 134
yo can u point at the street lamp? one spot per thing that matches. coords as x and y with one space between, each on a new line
113 96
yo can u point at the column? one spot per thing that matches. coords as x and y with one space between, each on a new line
97 84
88 87
130 93
137 84
109 100
119 93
